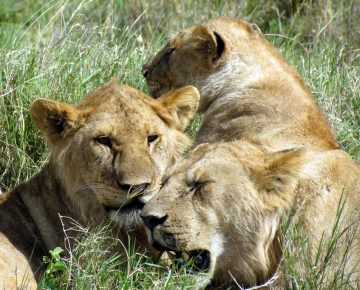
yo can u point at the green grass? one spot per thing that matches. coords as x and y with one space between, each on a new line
64 49
325 269
93 264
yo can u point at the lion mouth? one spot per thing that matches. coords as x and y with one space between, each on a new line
194 261
155 88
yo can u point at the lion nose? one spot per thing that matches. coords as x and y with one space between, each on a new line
152 221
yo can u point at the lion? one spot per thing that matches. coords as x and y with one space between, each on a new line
247 88
108 154
224 205
223 208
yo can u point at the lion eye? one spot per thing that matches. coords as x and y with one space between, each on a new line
196 186
152 138
104 141
170 50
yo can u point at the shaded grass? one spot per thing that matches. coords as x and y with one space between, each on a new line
93 264
323 266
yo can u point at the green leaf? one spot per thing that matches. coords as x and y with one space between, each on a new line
46 259
55 253
59 266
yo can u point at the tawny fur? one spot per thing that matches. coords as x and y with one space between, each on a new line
231 199
99 147
258 112
247 88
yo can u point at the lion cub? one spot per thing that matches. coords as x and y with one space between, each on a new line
246 86
108 156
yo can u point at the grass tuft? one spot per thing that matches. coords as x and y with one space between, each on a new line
92 262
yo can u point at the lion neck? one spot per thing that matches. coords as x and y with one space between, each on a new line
260 259
242 69
226 83
46 201
243 99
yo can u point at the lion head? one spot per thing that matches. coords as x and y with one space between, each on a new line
221 206
206 56
111 150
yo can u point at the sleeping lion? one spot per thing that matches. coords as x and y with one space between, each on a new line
223 208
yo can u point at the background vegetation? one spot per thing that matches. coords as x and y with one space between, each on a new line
64 49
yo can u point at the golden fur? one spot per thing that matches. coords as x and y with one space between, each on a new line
269 151
230 199
246 86
108 156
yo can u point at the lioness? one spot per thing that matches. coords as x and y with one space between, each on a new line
226 202
224 205
108 155
246 86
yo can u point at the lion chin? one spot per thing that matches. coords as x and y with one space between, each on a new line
108 156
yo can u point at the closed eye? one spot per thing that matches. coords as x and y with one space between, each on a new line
170 50
164 180
104 140
196 186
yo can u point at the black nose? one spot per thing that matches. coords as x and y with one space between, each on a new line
145 73
152 221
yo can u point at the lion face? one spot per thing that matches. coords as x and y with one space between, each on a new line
219 208
201 52
111 150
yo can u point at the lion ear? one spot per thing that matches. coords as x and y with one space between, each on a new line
53 119
179 106
280 173
213 43
219 46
